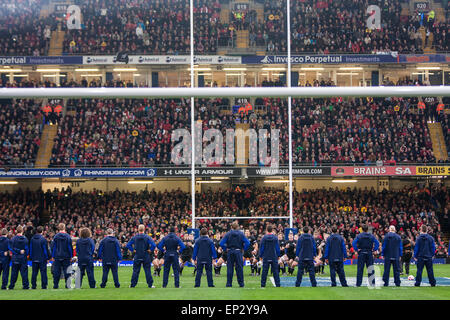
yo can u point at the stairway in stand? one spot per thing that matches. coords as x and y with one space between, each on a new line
438 141
57 42
45 149
242 39
239 136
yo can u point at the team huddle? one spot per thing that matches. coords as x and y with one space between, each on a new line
272 251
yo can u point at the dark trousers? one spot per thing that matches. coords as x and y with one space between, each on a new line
106 268
146 264
406 259
265 270
208 269
387 269
235 260
87 267
171 260
365 259
39 267
337 267
312 274
59 265
4 271
22 267
428 263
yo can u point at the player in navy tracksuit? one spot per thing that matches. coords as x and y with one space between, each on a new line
19 248
365 243
204 252
85 248
62 254
5 258
142 245
170 244
39 256
306 251
335 253
109 253
269 251
424 252
392 250
234 242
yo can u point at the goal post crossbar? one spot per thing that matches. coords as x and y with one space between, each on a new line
238 92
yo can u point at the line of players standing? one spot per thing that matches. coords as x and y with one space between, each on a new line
282 254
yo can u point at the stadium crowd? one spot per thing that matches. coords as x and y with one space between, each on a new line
407 209
161 27
144 27
23 32
20 132
137 132
340 27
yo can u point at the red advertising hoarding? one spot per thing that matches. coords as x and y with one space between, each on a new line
373 171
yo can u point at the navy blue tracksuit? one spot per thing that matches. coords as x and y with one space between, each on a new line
424 252
169 244
392 250
269 251
336 252
306 251
19 261
109 252
5 259
62 253
142 245
85 248
234 243
204 252
39 256
365 243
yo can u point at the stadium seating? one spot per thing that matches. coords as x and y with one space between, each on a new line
111 26
340 27
20 132
22 31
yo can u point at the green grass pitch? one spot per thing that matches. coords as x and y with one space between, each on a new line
252 290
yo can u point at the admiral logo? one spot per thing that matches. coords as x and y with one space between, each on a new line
340 171
98 60
168 59
146 59
219 59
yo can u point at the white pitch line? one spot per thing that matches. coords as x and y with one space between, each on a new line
273 281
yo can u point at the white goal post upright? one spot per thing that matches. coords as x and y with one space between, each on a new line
289 85
191 9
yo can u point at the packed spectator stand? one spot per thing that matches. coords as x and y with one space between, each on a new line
407 209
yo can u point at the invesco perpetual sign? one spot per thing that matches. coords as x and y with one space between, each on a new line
213 154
